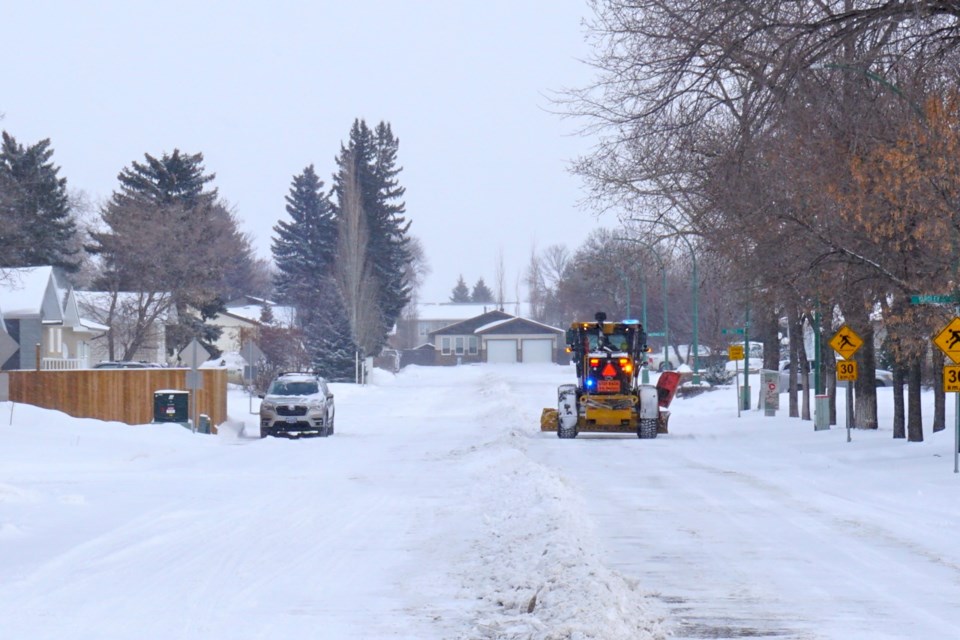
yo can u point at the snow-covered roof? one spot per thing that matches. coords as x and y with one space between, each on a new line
522 321
456 311
24 290
282 315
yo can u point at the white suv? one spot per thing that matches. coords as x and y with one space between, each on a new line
297 404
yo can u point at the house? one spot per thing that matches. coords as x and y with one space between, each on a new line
413 330
496 337
243 317
41 314
129 316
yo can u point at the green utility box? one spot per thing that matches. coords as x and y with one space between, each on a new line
171 406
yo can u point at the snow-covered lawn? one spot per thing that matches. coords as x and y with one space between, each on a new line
439 510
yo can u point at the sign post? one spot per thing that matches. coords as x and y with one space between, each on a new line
735 353
193 356
252 354
846 342
949 342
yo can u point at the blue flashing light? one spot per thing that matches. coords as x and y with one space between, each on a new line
591 383
631 321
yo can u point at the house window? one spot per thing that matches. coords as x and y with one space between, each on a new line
445 345
460 343
472 345
55 340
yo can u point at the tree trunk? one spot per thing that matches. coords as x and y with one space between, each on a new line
865 385
899 419
914 413
939 397
796 329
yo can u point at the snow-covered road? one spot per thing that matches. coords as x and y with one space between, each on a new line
438 510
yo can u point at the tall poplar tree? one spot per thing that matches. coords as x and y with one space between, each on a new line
374 155
37 225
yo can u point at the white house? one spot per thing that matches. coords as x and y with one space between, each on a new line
243 317
40 313
125 313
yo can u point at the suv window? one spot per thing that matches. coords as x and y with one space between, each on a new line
293 388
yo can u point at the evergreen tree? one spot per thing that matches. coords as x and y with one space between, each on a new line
304 250
328 336
460 293
304 247
37 225
481 292
167 232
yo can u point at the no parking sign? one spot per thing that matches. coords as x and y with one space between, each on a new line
770 383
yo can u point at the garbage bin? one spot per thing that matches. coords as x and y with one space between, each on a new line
204 424
171 406
821 412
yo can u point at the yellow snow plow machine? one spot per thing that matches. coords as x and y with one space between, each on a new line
607 396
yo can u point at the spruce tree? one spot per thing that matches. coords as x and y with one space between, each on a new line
36 220
460 293
304 250
304 247
481 292
328 338
167 231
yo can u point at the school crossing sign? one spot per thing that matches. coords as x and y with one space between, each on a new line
949 340
846 342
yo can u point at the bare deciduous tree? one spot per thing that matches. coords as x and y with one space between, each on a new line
354 269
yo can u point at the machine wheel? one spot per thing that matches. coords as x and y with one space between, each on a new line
264 432
567 411
647 428
569 432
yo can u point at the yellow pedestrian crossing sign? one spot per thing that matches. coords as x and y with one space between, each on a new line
949 340
846 342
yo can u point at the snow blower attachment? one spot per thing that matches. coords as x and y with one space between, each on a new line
607 397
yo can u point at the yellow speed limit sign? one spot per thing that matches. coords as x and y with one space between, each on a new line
951 378
847 370
735 351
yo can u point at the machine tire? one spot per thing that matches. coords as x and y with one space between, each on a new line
264 432
567 397
647 428
570 432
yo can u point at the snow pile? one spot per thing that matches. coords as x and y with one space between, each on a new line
535 565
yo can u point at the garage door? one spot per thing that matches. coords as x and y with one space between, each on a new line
537 351
501 350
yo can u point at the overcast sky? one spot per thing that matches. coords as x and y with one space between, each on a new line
263 89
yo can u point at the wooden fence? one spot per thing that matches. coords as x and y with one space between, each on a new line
123 395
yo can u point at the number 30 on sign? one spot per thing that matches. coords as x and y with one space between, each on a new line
951 378
847 370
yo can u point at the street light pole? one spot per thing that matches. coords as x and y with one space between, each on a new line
663 289
695 289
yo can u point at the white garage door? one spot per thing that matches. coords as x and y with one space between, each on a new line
537 351
501 350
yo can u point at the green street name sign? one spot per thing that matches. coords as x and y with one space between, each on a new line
736 331
656 334
948 299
